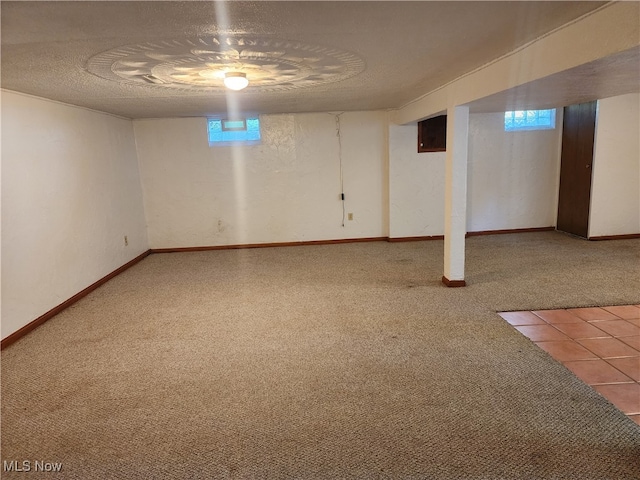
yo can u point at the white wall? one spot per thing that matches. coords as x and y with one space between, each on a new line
512 179
285 189
615 188
512 176
72 189
70 192
416 186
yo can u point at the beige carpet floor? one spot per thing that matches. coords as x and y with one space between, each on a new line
321 362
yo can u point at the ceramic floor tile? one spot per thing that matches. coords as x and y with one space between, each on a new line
581 330
631 341
593 313
541 333
566 351
609 347
617 328
625 396
558 316
625 311
629 366
522 318
597 372
573 337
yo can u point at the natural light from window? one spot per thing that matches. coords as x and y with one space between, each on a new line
529 120
224 132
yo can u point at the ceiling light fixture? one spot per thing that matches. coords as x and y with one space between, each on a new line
235 80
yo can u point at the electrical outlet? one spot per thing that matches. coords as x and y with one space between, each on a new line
126 241
350 216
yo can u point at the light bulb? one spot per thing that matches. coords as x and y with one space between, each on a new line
235 80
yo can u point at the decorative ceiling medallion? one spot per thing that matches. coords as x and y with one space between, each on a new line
200 64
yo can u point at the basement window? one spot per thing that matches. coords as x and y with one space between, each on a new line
529 120
226 132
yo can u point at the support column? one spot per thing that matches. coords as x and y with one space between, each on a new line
455 203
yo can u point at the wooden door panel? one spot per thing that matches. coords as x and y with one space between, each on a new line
578 133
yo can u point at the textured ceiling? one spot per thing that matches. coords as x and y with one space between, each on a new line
166 59
607 77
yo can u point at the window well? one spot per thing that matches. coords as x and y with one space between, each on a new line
225 132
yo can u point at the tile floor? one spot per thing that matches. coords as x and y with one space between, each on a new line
600 345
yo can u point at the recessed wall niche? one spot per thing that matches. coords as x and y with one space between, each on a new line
432 134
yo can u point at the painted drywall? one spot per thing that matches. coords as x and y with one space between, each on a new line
70 193
286 189
512 176
512 179
416 186
455 192
608 31
615 186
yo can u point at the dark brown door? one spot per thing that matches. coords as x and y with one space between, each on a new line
578 133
